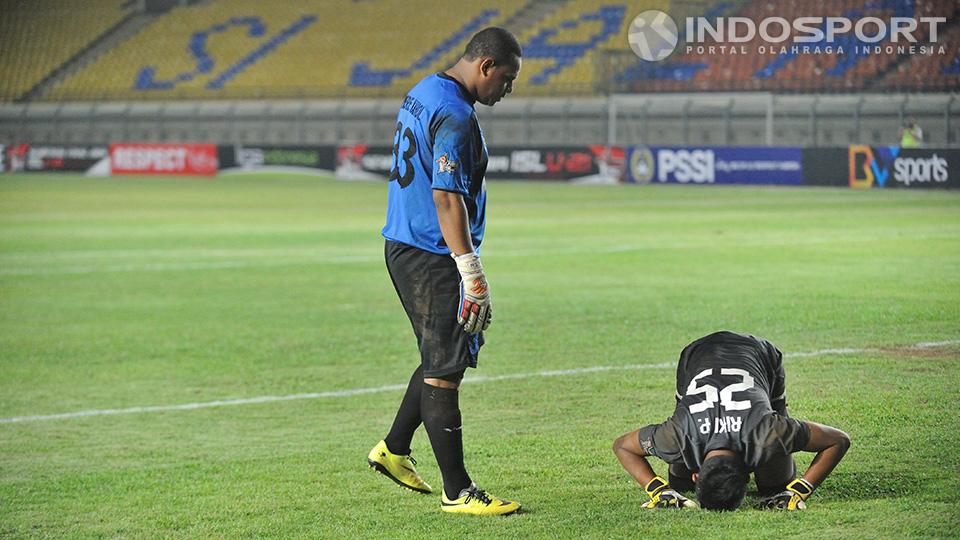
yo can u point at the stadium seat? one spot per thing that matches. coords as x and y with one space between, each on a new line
932 73
560 51
853 70
248 49
38 37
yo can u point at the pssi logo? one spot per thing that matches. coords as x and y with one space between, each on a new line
871 166
641 164
685 166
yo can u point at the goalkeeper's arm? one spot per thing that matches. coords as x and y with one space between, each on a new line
830 444
633 458
454 225
474 311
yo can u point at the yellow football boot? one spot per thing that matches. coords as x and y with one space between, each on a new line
476 501
400 469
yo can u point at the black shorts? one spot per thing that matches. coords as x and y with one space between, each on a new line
429 289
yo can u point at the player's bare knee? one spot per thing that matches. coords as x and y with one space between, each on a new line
844 441
622 444
618 444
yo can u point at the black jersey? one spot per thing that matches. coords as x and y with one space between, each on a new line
725 385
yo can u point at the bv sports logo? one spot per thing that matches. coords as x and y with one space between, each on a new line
889 166
871 165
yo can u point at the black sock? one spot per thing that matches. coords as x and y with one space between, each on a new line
441 416
408 417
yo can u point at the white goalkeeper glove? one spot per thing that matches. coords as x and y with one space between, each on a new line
474 312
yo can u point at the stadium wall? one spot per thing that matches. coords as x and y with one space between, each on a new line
747 119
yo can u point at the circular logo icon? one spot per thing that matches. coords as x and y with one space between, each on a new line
641 165
653 35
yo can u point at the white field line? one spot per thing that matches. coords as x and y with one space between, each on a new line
260 258
147 267
397 387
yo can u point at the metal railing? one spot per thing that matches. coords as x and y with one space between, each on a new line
654 119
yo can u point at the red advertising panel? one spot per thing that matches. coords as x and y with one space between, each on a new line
167 159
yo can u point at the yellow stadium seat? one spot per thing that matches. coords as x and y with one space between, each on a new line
316 60
575 24
38 36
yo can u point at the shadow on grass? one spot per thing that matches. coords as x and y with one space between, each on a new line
860 485
842 485
871 485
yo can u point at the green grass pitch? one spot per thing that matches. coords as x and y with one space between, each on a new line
124 292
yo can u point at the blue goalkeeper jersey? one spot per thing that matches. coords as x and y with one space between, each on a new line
437 144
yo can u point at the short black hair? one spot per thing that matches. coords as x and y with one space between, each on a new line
496 42
722 483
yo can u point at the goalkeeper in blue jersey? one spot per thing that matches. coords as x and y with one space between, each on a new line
730 420
436 214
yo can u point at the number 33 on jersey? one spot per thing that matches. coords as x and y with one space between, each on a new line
437 145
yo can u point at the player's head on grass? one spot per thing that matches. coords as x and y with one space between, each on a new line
722 481
489 65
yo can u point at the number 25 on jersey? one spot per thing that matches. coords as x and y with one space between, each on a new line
725 396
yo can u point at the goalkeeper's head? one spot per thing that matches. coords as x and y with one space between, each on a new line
489 65
722 482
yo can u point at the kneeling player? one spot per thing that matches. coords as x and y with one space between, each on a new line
730 420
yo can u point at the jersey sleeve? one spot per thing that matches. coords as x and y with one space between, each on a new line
453 150
777 436
774 363
664 441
